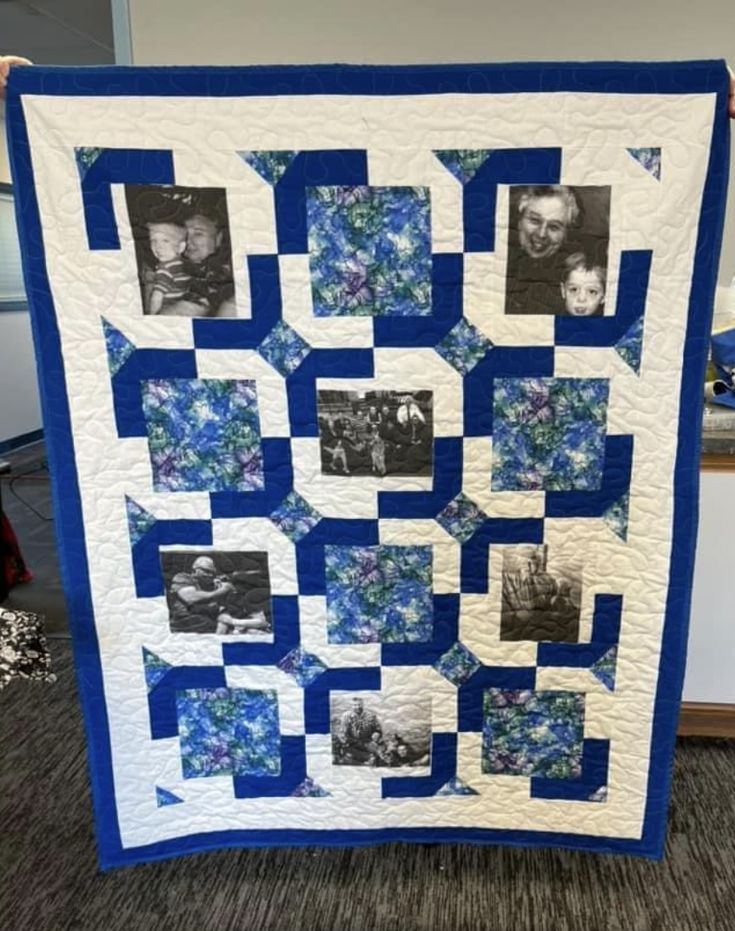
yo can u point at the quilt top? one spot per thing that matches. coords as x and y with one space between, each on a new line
372 398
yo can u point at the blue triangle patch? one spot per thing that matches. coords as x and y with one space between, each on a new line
463 163
119 347
140 521
271 166
456 786
164 797
616 516
309 789
604 668
85 157
630 344
648 158
155 668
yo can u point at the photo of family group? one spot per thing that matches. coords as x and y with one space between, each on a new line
558 238
541 596
218 593
367 730
376 432
182 250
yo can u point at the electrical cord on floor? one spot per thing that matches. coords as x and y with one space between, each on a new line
41 467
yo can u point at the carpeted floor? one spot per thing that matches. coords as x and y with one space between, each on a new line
49 879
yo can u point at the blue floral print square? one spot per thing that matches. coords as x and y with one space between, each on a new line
457 664
305 667
295 517
228 732
284 349
379 594
464 346
461 517
203 434
527 733
369 250
549 433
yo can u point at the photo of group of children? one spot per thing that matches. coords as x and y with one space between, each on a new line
376 433
558 239
182 250
367 730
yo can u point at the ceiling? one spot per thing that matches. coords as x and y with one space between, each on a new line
57 32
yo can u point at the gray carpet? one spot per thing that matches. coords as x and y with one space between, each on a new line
49 880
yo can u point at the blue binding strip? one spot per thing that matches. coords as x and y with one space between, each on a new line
685 77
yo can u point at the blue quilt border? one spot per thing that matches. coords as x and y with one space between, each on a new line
695 77
685 77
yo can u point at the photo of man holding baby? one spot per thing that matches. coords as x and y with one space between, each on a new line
558 238
182 250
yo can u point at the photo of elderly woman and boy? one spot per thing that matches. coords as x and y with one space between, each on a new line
557 250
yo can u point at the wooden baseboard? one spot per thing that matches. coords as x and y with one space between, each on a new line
717 462
700 719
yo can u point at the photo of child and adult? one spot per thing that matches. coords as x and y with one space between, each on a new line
558 238
541 595
182 250
221 593
376 433
368 730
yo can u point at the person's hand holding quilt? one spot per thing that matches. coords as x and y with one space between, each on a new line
6 63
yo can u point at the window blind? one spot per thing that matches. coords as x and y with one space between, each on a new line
11 273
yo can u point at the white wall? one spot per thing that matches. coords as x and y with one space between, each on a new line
19 402
710 675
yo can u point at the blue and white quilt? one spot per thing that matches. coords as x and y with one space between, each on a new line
372 398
